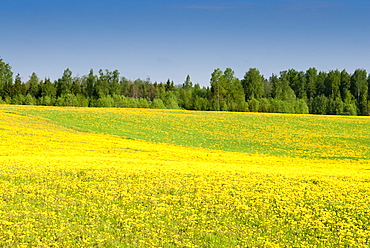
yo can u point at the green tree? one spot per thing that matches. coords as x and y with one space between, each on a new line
33 85
169 85
48 89
102 84
218 88
296 81
29 100
114 86
332 84
76 86
90 83
6 77
253 84
267 86
345 85
170 100
274 81
19 87
157 104
282 90
186 99
234 89
359 89
64 84
311 82
321 79
320 105
188 84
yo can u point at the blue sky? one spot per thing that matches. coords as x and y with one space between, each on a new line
170 39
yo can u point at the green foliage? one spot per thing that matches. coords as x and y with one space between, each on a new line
311 82
280 106
320 105
29 100
6 77
359 89
18 99
349 109
82 101
33 85
144 103
300 107
63 85
253 84
67 99
47 101
282 91
170 100
332 84
254 105
218 88
264 105
296 81
332 92
157 104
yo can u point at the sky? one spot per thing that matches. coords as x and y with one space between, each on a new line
172 39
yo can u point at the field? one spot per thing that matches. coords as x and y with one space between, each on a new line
85 177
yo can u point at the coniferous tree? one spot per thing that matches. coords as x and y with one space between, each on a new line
33 85
19 87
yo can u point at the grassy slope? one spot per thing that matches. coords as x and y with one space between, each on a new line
273 134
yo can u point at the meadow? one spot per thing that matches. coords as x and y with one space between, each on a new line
85 177
308 136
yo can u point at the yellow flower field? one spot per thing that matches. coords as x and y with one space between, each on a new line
64 188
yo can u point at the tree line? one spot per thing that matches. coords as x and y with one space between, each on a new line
311 91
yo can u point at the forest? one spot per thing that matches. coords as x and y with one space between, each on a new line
299 92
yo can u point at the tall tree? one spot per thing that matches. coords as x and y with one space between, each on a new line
102 84
332 84
301 86
114 86
274 81
91 80
253 84
368 88
234 90
186 94
296 81
321 79
33 85
311 82
19 87
6 77
64 84
359 88
48 89
218 87
282 90
187 84
76 86
345 85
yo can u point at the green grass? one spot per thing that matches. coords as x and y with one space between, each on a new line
337 137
